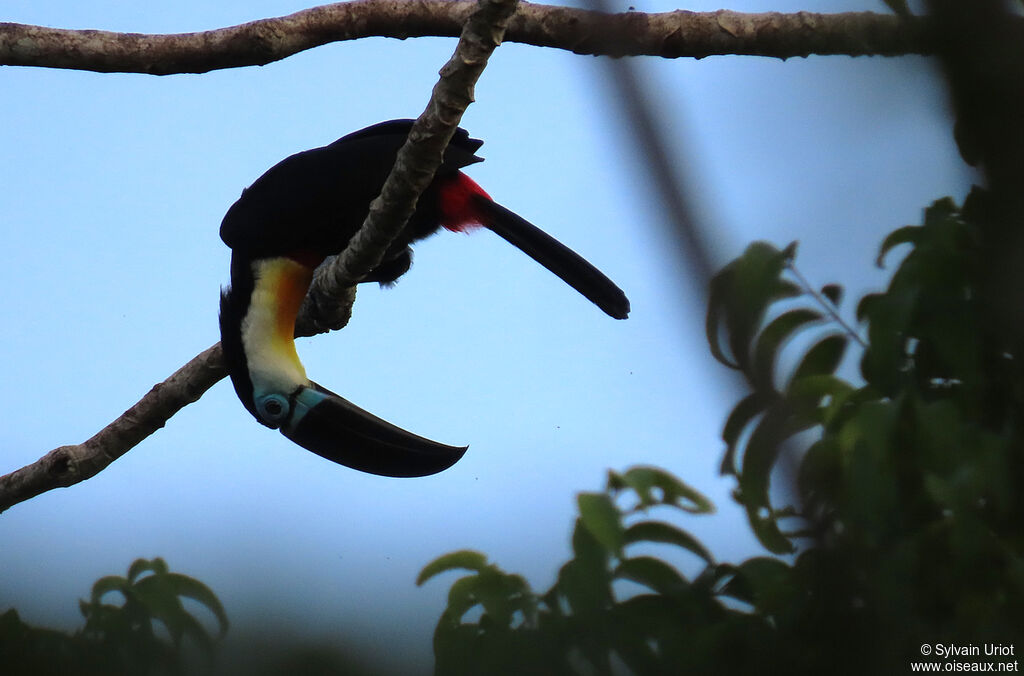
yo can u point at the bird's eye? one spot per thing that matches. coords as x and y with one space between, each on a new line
273 408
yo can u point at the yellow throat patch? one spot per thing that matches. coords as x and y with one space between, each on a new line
268 329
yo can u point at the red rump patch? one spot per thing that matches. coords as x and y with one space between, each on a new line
458 212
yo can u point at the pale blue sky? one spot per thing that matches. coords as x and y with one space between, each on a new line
112 189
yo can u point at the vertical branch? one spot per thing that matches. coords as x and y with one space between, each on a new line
417 161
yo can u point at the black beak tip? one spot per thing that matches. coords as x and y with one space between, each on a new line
342 432
615 305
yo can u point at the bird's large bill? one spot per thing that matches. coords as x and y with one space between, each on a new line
336 429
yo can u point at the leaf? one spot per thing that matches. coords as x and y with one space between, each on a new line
871 488
771 339
194 629
462 596
741 415
940 211
602 519
585 588
673 491
757 283
587 549
867 305
726 581
502 595
188 587
822 358
651 572
139 566
759 459
160 603
463 559
807 394
717 308
107 584
819 472
658 531
760 581
760 455
883 362
764 571
908 234
766 528
739 295
833 292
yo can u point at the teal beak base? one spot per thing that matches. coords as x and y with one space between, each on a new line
338 430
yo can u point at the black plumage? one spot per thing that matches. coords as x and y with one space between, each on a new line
315 201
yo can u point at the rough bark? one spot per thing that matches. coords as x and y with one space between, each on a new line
670 34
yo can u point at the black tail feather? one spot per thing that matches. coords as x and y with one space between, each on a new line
572 268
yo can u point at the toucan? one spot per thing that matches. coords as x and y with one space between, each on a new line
306 208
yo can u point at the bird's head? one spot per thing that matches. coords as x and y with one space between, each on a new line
257 334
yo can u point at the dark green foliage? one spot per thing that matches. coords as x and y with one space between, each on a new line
742 295
118 639
613 602
897 495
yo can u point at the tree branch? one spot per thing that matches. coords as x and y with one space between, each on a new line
669 34
329 302
420 157
67 465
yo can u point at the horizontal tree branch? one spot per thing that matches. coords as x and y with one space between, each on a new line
669 34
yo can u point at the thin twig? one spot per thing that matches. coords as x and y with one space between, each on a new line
824 303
